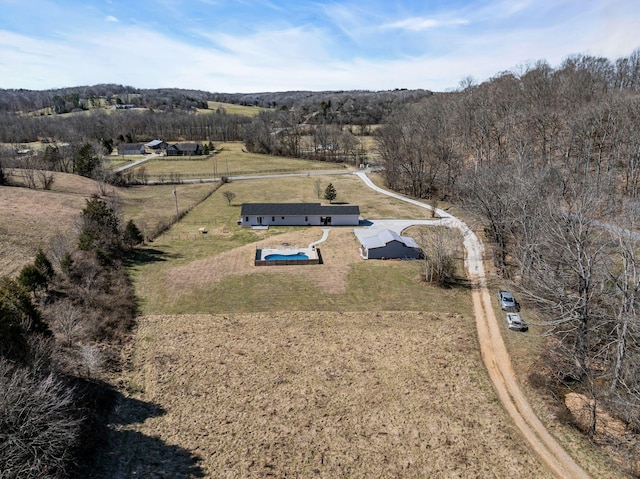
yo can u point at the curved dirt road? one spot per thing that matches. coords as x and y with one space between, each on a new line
495 356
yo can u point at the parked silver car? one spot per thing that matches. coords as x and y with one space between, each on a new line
515 322
507 301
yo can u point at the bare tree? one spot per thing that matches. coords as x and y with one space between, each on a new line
91 359
625 274
46 179
38 426
440 253
67 322
229 196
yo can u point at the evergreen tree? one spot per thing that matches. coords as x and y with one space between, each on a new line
37 276
132 235
100 230
330 193
19 320
86 161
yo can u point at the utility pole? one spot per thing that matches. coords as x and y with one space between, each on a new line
175 195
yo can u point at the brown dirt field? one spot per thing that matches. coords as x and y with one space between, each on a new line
306 394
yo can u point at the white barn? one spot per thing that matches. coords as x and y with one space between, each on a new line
388 244
298 214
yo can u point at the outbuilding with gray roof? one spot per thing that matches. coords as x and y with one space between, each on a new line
388 244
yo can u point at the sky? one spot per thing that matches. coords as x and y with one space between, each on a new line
245 46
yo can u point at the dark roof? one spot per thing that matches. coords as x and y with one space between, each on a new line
130 146
188 146
185 147
296 209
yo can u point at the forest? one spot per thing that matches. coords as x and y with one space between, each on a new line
546 159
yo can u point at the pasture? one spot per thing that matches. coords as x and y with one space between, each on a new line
352 368
383 394
230 160
232 109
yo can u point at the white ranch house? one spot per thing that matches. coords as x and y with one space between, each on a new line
298 214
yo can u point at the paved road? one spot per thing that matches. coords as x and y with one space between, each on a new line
136 163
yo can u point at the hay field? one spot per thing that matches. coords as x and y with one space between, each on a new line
310 394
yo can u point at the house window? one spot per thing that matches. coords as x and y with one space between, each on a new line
273 218
306 218
246 218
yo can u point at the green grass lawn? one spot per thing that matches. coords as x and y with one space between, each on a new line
370 285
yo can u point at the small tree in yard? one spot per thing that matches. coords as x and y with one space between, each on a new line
3 178
318 188
229 196
440 265
330 193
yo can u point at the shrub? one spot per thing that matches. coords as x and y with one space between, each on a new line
38 427
19 321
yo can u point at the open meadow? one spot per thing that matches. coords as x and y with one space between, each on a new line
391 394
351 368
30 220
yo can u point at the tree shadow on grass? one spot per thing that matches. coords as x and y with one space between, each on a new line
456 283
141 256
125 452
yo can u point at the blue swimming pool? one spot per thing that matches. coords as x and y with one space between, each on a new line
280 257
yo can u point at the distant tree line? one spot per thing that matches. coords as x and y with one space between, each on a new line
66 100
126 125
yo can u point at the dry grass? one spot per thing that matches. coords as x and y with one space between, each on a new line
233 160
387 394
233 109
31 218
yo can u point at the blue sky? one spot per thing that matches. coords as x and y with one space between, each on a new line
275 45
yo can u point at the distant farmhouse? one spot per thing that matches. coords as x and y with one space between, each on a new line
298 214
184 149
131 149
156 145
388 245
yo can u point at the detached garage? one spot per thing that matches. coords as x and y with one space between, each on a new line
389 245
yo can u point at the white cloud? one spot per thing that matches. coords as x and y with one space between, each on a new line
310 57
418 24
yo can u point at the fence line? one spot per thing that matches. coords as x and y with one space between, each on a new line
187 176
